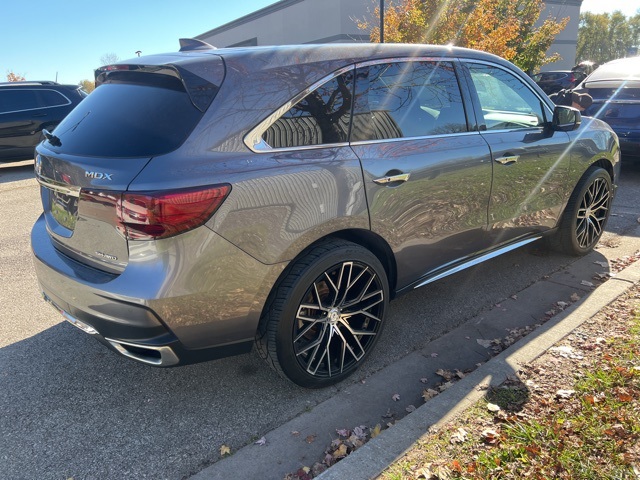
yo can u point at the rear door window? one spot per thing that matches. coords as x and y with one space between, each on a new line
51 98
407 99
18 100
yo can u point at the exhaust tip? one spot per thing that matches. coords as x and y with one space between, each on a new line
156 356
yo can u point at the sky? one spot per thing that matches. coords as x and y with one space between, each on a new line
64 40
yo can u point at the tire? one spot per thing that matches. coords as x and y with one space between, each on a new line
586 214
325 316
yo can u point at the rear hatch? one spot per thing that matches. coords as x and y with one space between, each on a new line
619 107
139 110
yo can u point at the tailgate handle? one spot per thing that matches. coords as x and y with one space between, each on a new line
401 177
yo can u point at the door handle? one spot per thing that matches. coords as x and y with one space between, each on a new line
508 160
402 177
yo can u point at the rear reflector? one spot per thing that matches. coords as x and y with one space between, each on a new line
154 215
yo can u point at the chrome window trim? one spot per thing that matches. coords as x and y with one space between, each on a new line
37 108
501 67
403 139
254 141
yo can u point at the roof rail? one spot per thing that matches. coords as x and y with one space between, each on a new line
190 44
31 82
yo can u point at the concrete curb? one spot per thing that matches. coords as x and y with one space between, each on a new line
371 459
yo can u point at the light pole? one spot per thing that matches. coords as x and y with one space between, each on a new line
381 21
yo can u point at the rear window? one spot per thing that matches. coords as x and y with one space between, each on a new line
152 116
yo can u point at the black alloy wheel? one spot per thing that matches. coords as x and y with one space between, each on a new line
593 213
586 214
326 315
339 317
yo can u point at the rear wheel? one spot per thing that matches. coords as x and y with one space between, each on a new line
587 212
326 315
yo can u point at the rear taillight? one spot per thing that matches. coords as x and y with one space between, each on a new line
154 215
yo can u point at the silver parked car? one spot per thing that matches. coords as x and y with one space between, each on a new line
200 202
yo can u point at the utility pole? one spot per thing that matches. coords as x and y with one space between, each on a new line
381 21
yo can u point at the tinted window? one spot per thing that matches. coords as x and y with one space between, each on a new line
51 98
506 101
407 99
322 117
16 100
129 120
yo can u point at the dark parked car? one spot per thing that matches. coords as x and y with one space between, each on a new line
199 202
553 82
28 108
615 88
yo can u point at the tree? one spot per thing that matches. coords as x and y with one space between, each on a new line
503 27
604 37
87 85
109 59
14 77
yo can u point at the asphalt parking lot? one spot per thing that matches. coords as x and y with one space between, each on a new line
71 408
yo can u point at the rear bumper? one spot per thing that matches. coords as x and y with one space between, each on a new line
166 308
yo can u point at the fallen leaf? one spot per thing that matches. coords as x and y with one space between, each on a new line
575 297
445 386
446 374
602 264
396 397
310 438
586 284
490 436
295 433
424 380
410 408
376 431
492 407
360 432
341 452
429 393
484 343
565 393
434 355
459 436
224 450
624 397
343 432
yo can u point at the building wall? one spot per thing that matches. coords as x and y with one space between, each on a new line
332 21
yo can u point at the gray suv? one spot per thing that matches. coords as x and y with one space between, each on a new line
200 202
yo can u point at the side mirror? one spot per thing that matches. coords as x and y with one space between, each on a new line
566 119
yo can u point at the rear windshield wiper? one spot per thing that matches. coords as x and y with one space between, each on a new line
53 140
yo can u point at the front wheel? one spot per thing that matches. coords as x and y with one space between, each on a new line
587 212
326 315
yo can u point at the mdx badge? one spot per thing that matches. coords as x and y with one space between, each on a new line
98 175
